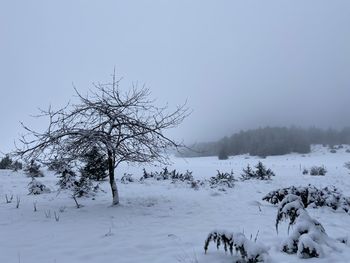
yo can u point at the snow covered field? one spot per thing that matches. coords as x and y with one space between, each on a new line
158 221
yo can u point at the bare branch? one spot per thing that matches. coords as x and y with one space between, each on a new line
127 126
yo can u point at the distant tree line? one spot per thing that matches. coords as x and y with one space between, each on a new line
7 163
270 141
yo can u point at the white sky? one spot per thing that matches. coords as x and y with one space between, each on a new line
240 64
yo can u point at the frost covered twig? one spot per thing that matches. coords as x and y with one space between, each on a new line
8 200
47 213
57 216
76 202
18 200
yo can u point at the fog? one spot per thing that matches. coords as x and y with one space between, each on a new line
239 64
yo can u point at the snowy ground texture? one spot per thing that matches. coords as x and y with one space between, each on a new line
158 221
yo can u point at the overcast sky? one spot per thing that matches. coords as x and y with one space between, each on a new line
240 64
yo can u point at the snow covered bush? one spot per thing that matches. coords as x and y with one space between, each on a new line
312 197
260 173
33 169
183 177
249 251
65 173
318 170
35 187
174 176
165 174
66 177
196 184
248 173
222 179
84 187
127 178
308 234
162 175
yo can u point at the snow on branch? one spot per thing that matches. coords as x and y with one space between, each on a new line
249 251
126 123
308 236
311 196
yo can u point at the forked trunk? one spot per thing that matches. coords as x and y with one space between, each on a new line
112 182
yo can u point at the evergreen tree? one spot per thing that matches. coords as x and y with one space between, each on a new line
248 173
270 141
33 169
96 165
262 173
65 173
223 154
6 162
83 187
66 178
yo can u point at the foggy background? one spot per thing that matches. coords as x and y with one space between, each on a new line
239 64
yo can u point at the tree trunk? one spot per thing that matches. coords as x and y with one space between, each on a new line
112 182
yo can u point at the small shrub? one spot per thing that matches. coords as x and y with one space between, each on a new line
63 170
196 184
261 173
312 197
67 177
308 234
340 146
35 187
159 176
318 171
248 173
83 187
182 177
165 174
33 169
222 180
249 251
174 176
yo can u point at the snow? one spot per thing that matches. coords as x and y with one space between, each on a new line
158 221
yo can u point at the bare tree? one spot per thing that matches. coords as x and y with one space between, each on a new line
126 126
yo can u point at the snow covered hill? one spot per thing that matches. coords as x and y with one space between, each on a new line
158 221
